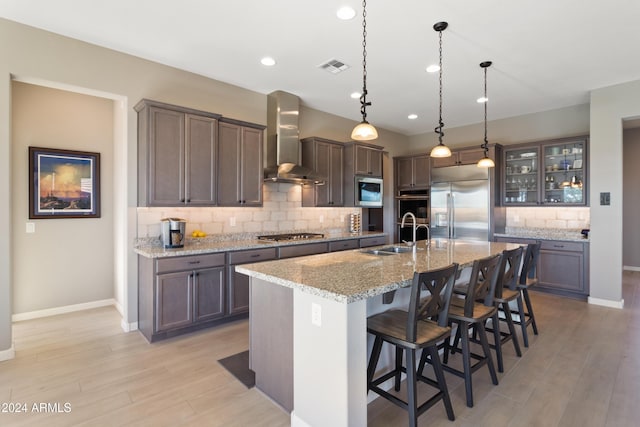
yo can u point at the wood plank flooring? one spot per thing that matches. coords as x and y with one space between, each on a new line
582 370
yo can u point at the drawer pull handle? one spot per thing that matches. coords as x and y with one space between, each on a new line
558 246
194 262
255 256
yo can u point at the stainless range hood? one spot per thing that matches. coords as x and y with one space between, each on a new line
282 151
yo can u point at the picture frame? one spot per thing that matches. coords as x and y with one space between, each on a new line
577 164
63 183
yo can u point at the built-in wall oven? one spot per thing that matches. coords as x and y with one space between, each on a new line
416 202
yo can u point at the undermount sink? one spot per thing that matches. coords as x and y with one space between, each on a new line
389 250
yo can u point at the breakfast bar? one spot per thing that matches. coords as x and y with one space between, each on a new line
308 317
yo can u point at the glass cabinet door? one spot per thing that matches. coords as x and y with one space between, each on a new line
521 176
564 173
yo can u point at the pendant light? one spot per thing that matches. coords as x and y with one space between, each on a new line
485 162
440 150
364 131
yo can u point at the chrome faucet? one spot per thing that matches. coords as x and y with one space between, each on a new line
415 227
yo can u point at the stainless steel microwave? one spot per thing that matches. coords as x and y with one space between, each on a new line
368 191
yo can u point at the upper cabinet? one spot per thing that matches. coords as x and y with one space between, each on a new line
464 156
176 155
326 158
363 159
412 173
240 167
546 173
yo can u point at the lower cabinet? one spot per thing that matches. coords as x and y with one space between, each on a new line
238 284
563 266
179 294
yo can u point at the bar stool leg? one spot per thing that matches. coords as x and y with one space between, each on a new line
497 339
527 301
523 322
466 362
412 401
373 361
487 353
398 375
437 369
512 329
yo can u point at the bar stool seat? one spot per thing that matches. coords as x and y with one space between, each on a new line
422 327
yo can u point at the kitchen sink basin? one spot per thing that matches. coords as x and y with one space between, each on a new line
377 252
396 249
389 250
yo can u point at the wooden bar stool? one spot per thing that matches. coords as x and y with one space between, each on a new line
423 326
528 279
505 293
467 312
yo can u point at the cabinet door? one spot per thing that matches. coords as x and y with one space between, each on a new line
229 153
174 300
441 162
375 163
404 173
166 158
251 167
322 166
201 135
561 270
336 184
368 161
238 291
564 167
521 177
470 156
209 294
421 171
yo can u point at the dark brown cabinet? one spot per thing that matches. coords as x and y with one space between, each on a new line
326 158
176 155
563 266
240 170
464 156
363 159
549 173
238 284
412 173
179 294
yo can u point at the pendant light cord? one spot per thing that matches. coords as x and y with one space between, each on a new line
486 101
363 98
438 129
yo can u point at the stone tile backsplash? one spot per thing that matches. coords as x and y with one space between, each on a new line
573 218
281 212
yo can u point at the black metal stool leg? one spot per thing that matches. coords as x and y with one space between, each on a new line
523 321
512 329
527 301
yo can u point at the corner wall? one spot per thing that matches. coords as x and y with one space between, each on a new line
631 199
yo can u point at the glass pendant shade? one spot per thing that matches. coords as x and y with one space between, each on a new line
486 162
364 132
440 150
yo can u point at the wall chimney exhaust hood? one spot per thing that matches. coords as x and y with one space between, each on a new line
282 148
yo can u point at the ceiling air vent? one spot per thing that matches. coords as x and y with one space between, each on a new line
333 66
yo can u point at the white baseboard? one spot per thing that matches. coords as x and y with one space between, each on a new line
7 354
128 327
62 310
630 268
296 421
606 302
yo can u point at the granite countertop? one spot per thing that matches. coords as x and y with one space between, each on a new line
211 245
350 276
544 234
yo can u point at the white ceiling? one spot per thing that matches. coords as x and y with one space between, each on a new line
546 53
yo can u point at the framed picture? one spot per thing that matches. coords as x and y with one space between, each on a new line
577 164
63 183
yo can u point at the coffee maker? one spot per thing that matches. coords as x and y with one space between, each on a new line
173 232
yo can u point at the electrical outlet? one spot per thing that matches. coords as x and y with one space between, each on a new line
316 314
321 219
31 227
232 221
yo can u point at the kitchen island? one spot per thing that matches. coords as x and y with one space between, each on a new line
308 316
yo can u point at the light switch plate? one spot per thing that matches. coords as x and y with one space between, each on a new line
31 227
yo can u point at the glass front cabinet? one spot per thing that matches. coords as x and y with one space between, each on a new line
546 173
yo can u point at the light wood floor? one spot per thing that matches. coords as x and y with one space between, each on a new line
582 370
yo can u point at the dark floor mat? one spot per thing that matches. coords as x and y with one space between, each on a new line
238 365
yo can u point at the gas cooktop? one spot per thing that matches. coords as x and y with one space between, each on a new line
291 236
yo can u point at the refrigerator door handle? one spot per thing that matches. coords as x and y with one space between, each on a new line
452 229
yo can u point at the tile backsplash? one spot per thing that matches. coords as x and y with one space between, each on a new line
281 212
574 218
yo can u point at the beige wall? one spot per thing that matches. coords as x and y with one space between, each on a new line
66 261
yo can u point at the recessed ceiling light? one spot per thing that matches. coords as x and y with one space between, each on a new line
268 61
356 95
482 100
412 116
346 13
434 68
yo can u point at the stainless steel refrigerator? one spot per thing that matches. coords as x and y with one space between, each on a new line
463 203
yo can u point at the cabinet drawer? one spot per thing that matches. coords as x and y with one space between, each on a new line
255 255
343 245
373 241
191 262
302 250
555 245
